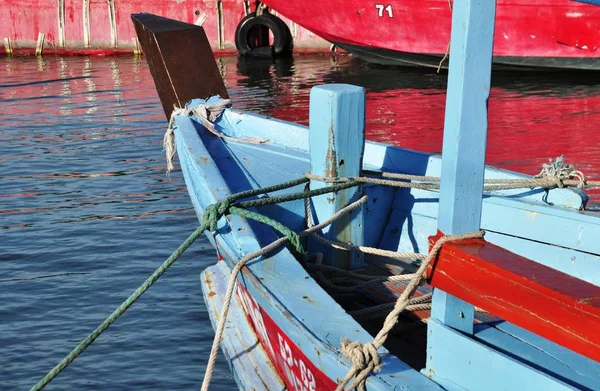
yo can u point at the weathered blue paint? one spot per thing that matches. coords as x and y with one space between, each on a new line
311 318
543 355
213 169
336 142
383 157
247 359
462 363
408 230
414 214
556 237
465 135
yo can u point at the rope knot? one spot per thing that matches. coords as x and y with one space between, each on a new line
214 212
364 358
558 171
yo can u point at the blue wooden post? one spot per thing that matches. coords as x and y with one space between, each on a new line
465 134
336 142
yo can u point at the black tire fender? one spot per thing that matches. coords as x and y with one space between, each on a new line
282 37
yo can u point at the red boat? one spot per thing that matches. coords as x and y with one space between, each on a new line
528 33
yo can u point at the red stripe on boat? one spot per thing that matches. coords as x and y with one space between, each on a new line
545 301
296 370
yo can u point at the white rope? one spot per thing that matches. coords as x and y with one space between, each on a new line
560 171
447 47
364 357
233 277
207 114
553 174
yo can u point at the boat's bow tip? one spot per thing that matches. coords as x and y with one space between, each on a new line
180 59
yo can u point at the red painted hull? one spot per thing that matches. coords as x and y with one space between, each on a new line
546 33
101 27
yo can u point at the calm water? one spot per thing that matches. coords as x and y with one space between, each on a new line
87 213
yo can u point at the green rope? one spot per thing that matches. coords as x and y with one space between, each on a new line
119 311
293 237
212 214
298 196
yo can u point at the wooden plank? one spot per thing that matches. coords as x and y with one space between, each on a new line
461 363
251 367
554 305
297 308
539 353
409 232
336 140
180 60
465 136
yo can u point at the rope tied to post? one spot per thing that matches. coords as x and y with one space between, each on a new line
559 171
364 358
213 213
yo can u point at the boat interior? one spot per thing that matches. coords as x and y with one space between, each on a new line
525 221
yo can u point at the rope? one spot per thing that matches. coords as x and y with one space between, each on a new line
233 277
119 311
554 174
447 47
364 357
207 114
210 218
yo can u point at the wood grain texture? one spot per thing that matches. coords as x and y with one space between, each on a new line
554 305
465 136
180 60
336 141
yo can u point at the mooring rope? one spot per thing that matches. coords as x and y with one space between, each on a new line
555 174
233 277
364 357
210 219
119 311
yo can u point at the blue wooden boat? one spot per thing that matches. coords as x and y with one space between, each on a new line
518 308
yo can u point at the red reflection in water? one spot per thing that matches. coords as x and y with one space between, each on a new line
532 118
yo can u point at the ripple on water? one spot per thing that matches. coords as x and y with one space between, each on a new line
87 212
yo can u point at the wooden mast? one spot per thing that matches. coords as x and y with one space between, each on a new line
465 135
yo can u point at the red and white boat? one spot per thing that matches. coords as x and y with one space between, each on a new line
529 33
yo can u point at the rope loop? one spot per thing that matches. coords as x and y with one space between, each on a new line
558 171
214 212
364 358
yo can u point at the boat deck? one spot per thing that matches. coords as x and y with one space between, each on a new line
408 340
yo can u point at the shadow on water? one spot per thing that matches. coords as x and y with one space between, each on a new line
270 73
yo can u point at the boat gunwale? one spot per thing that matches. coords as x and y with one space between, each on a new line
240 231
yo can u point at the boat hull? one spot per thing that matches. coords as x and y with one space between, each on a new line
248 360
281 298
528 33
390 57
105 28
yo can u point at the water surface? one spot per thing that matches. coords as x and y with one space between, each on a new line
87 212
